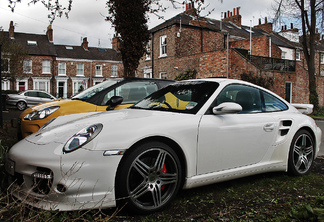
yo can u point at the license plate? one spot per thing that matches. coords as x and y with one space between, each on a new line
10 166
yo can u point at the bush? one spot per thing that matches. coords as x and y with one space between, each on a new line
188 74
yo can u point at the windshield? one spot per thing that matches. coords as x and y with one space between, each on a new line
183 97
88 93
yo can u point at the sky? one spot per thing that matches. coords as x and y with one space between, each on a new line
87 18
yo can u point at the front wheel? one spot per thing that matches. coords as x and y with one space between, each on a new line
301 153
148 178
21 105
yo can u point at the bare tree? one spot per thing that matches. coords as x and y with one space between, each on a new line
310 13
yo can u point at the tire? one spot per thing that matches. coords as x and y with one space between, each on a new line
148 178
21 105
301 154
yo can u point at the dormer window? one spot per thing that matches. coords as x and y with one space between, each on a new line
69 47
31 43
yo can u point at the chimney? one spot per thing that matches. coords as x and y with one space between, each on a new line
267 26
190 9
49 33
115 43
11 30
85 43
233 17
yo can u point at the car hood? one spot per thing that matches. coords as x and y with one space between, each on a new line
113 123
50 103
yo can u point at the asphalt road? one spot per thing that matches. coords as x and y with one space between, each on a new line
14 113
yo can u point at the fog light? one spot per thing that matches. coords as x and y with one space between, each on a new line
61 188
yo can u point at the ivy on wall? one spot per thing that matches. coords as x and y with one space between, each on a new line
264 81
188 74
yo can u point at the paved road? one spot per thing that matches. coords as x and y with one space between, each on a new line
14 113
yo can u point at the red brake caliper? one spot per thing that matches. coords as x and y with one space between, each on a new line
164 170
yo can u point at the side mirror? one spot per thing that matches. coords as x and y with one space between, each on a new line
113 102
227 108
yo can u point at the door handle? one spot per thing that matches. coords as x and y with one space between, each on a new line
269 127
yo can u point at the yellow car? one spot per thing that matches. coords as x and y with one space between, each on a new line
104 96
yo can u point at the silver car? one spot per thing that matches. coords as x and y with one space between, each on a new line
28 98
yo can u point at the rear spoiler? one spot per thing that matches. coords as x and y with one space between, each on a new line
304 108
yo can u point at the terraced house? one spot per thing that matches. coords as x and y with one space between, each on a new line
62 70
226 48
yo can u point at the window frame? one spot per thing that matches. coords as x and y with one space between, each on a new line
28 66
80 69
163 46
46 66
61 71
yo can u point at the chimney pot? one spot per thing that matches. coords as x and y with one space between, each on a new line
49 33
291 25
265 20
11 30
259 21
85 43
237 10
234 11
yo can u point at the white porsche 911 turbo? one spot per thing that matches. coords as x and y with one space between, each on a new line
189 134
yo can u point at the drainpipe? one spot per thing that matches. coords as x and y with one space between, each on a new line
227 52
270 46
152 50
90 83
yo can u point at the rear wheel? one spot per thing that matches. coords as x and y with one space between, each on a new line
301 153
149 178
21 105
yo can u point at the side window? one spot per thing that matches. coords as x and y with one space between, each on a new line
44 95
273 104
248 97
132 91
31 94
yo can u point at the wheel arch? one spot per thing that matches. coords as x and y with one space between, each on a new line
175 146
308 129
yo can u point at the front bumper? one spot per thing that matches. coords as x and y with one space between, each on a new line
44 177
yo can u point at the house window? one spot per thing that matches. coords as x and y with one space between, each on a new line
298 54
28 66
79 86
5 84
98 70
31 43
322 58
148 73
41 84
163 46
5 65
148 51
283 55
62 69
114 70
163 75
46 67
80 69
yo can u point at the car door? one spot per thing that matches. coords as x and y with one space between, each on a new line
32 98
231 141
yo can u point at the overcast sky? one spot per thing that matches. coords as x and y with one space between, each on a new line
87 18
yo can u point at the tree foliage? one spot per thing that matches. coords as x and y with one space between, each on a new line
310 13
264 81
15 53
129 19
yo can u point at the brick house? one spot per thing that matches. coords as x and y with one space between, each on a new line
227 48
60 69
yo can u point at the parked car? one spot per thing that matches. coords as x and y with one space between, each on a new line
93 99
28 98
188 134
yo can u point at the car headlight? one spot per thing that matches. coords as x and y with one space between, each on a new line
83 137
41 114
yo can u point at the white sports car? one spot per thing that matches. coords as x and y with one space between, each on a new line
189 134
